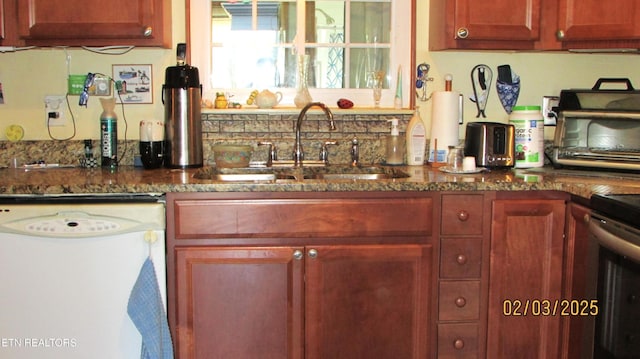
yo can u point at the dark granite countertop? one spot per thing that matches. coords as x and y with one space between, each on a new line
126 179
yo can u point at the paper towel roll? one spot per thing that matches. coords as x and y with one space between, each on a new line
444 124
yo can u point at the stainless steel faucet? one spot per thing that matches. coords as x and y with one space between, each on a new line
355 152
324 151
273 152
298 153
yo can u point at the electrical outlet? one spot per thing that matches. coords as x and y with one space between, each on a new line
549 114
54 110
101 87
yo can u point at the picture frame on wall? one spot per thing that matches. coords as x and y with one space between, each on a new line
133 83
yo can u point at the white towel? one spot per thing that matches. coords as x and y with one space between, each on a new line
146 310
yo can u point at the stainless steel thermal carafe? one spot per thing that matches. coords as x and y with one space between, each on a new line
181 94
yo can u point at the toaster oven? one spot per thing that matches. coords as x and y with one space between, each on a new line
598 128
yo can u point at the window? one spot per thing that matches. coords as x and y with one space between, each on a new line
246 45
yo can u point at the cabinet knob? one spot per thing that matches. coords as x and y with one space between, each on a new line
458 343
462 33
148 31
586 218
313 253
463 215
461 259
560 34
297 254
461 302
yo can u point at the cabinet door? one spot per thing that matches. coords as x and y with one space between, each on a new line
238 302
472 24
525 272
580 282
95 23
598 20
368 301
8 24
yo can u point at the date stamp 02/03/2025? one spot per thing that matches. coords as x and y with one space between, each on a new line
549 307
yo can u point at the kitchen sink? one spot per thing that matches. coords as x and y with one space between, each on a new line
348 172
245 174
272 174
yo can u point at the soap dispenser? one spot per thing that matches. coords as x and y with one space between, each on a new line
395 148
416 140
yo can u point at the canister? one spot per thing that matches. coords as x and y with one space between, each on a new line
529 136
181 95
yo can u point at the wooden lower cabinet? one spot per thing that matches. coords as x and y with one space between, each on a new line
351 301
579 283
238 303
251 289
360 275
367 301
525 276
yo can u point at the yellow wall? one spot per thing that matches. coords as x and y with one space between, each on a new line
27 76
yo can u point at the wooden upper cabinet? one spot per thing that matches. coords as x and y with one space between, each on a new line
534 24
472 24
2 20
598 24
8 23
95 23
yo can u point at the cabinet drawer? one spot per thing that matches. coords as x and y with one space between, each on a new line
303 217
460 258
462 214
459 300
459 341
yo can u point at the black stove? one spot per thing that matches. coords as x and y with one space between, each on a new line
621 207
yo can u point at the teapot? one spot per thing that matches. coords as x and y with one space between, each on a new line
268 99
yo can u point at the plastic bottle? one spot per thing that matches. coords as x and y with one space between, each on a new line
416 140
109 133
395 150
529 141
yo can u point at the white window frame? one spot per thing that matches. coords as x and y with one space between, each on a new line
402 38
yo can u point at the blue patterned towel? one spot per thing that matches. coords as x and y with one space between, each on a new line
146 311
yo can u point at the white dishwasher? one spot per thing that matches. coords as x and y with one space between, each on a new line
67 270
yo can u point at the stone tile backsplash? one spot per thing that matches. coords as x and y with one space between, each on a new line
245 128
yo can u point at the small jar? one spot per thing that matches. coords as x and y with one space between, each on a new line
455 158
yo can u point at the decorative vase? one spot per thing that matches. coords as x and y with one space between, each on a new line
303 97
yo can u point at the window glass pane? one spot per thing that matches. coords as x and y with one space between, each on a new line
370 22
249 43
367 62
326 25
254 44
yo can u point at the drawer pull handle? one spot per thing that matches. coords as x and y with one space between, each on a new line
458 343
461 259
461 302
463 216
